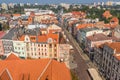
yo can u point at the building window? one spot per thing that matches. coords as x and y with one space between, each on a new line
27 54
38 45
55 45
39 53
26 39
55 50
45 45
50 45
45 54
50 55
55 55
27 49
50 50
41 45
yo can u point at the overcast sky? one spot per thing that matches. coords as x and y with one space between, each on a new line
52 1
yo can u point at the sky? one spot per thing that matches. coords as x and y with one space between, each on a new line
51 1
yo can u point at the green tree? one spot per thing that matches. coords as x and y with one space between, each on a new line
5 26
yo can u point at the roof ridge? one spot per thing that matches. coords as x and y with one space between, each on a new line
7 72
44 69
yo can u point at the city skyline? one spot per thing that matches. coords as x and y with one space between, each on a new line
52 1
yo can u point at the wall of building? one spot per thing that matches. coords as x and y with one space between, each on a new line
8 46
63 51
1 48
20 48
107 64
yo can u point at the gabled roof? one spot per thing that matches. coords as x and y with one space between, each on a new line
107 14
12 56
5 75
34 69
80 26
115 46
41 38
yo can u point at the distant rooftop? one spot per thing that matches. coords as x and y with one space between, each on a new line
88 29
98 37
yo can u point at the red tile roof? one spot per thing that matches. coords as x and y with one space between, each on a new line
42 38
34 69
22 38
17 15
54 37
2 34
5 75
115 46
117 56
114 20
107 14
80 26
76 13
12 57
110 25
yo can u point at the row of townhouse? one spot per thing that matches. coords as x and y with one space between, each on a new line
90 35
49 43
107 59
30 17
75 24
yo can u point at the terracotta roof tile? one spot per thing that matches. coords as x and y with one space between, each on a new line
2 34
12 57
107 14
114 46
117 56
32 69
42 38
80 26
5 75
17 15
22 38
57 70
54 37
